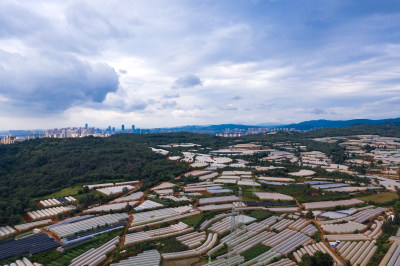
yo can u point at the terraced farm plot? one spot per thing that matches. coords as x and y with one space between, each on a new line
259 214
256 251
382 197
66 259
69 191
194 220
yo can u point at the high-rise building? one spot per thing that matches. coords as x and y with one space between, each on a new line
113 129
133 128
9 139
86 126
123 128
109 128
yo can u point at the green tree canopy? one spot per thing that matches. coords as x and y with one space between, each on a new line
318 259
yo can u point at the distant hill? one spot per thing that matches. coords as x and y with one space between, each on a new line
388 129
314 124
306 125
215 128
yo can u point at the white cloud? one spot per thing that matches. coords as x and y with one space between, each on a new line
245 62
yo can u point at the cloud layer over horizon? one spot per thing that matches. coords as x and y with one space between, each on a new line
171 63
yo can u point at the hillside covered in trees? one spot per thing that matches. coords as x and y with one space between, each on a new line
40 167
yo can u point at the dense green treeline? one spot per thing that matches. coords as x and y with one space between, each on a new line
385 129
153 140
40 167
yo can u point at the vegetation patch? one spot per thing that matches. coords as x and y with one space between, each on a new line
135 249
193 221
163 202
317 259
219 252
256 251
322 197
170 245
260 214
317 236
69 191
380 198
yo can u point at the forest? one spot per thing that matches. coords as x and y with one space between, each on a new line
40 167
389 129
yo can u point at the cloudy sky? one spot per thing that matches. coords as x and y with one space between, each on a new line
171 63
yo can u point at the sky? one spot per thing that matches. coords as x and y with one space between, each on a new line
197 62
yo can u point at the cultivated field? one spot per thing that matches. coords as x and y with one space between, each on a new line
380 197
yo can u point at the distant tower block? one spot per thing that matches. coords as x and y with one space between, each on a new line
123 128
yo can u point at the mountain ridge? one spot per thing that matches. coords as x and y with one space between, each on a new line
323 123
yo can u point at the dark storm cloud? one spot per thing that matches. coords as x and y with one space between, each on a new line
188 81
53 84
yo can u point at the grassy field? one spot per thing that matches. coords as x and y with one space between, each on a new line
171 245
69 191
254 252
193 221
160 201
259 214
72 191
380 197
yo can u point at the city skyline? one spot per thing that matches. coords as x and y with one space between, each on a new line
166 64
